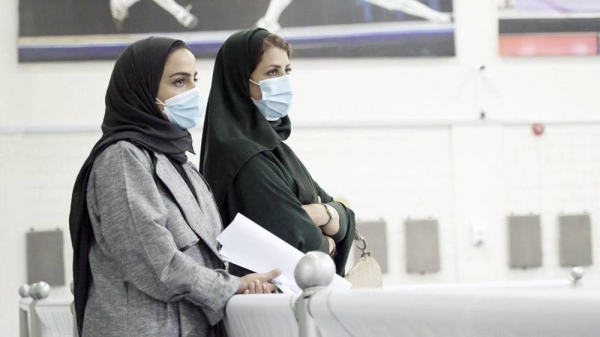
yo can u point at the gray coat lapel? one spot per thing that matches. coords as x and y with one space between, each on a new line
208 205
192 212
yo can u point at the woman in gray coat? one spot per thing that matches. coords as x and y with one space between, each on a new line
143 221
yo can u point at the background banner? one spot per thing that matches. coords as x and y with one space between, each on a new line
94 30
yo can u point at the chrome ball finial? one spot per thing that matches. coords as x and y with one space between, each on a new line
39 291
24 291
577 273
314 269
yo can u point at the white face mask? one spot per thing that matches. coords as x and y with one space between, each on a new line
185 109
276 97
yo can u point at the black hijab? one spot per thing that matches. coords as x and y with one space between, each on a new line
234 129
131 114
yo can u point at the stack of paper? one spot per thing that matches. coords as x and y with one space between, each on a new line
248 245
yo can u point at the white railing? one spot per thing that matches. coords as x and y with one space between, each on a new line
43 317
519 309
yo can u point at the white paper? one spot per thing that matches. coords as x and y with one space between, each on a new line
250 246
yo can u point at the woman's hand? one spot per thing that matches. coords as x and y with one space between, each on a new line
320 217
258 283
331 246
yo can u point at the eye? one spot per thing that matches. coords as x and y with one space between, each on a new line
288 71
272 72
179 82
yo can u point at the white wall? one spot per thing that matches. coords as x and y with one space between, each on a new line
461 173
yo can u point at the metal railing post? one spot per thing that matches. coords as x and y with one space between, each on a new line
313 274
37 291
23 321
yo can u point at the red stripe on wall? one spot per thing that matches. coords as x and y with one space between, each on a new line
549 45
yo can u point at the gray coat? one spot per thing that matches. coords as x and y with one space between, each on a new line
155 265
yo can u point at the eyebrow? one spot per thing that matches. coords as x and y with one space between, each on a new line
277 66
183 73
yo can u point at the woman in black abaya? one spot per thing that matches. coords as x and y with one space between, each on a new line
246 161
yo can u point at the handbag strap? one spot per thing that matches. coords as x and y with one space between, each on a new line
360 238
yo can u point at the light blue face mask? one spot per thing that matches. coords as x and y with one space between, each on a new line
276 97
185 109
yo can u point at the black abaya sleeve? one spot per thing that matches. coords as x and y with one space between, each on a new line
342 211
345 236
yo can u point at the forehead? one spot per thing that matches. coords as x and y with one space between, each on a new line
274 56
181 58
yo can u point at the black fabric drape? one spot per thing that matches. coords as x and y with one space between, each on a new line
235 132
131 114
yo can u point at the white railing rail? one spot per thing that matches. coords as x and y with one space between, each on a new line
458 313
540 308
525 308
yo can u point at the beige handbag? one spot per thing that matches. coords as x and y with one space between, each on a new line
366 272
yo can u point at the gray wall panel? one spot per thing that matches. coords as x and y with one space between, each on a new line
524 241
45 260
575 240
422 246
